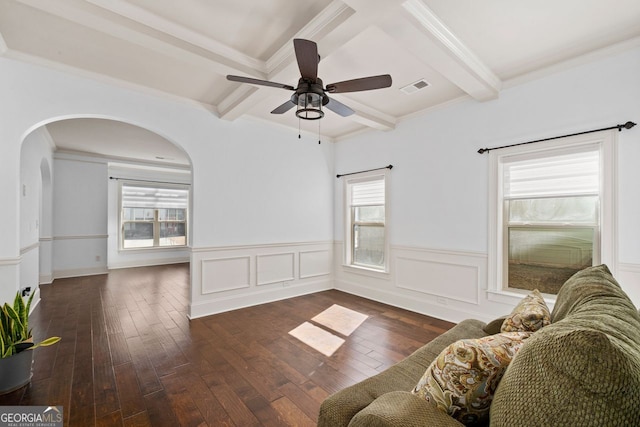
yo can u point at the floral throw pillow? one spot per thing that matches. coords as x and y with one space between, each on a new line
464 377
529 315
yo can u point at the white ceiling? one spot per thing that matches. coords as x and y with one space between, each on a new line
462 48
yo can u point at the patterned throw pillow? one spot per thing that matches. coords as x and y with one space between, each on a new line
529 315
464 377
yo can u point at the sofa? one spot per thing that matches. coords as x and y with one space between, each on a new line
581 369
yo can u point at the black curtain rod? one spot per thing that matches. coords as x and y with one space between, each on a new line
146 180
627 125
370 170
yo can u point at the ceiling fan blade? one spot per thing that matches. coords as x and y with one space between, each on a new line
339 108
284 107
364 83
307 56
258 82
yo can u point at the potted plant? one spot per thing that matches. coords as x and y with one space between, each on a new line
16 343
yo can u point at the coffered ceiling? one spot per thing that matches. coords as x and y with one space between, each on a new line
184 49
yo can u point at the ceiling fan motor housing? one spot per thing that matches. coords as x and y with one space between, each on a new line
310 97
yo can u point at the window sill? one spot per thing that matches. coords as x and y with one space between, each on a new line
514 297
371 272
159 248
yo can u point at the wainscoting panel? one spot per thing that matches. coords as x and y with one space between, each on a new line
275 268
315 263
440 283
456 282
628 275
229 278
225 274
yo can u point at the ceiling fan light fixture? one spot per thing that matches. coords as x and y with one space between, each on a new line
310 106
310 95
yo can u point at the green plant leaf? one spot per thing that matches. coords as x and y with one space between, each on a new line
5 322
47 342
18 306
17 327
14 329
23 313
11 312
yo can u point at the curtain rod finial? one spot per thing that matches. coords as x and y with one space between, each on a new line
482 150
629 125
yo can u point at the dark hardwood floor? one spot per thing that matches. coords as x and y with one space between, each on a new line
129 356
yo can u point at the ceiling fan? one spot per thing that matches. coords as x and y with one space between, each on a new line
310 96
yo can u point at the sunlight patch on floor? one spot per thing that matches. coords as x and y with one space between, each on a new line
336 318
341 319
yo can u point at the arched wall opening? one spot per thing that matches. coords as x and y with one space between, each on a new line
69 207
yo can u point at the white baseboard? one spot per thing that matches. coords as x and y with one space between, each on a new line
147 263
62 274
45 279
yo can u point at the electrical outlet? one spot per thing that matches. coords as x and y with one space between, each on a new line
97 257
441 300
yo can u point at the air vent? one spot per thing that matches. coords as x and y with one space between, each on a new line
415 86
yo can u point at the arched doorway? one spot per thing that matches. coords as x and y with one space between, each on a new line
72 218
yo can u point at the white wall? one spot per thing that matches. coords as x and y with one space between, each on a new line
79 216
253 184
438 224
35 210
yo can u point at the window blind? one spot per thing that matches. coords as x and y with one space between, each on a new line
367 193
134 196
575 174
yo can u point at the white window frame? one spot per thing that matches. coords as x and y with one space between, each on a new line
348 239
606 143
156 222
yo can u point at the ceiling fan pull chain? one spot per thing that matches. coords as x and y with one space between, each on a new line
299 128
319 134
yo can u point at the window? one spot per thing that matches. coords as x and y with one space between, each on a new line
366 222
552 212
153 217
